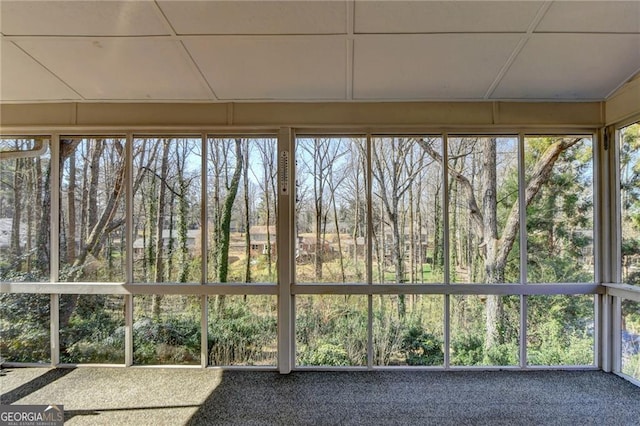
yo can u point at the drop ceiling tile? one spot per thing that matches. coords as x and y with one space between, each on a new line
23 79
119 68
70 17
256 17
571 66
443 16
272 67
592 16
436 66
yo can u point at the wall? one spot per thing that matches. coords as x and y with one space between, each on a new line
401 114
625 103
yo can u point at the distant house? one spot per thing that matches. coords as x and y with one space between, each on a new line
420 241
193 239
260 245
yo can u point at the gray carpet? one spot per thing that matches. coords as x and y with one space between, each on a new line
161 396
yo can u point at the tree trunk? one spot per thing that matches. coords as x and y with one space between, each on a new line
42 242
247 219
337 225
159 263
227 210
494 273
71 206
17 211
94 169
317 194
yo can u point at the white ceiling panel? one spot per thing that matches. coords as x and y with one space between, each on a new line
118 68
592 16
571 66
437 66
23 79
286 68
443 16
140 17
256 17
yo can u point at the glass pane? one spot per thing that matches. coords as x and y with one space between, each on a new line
559 175
630 203
407 210
21 145
485 330
243 330
560 330
25 208
414 338
24 328
91 329
166 329
483 210
92 209
166 210
631 338
241 183
331 330
331 210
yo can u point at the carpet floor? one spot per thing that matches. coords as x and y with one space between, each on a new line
176 396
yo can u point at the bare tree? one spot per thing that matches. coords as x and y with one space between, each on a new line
395 168
496 247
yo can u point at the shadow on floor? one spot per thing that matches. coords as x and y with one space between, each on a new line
28 388
69 414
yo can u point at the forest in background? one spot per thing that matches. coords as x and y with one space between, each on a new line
407 233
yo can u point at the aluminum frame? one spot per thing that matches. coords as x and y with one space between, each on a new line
286 289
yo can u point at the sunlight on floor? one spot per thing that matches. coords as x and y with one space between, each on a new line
156 396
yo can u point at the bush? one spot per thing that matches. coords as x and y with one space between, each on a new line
421 348
325 354
172 340
238 336
467 350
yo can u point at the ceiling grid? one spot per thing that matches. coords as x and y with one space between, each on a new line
534 23
316 51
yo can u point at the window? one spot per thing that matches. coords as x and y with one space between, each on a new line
407 210
630 202
483 217
560 237
407 250
331 210
166 209
241 210
25 208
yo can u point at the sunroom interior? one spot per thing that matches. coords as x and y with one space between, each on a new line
312 185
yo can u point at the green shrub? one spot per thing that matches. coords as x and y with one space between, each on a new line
467 350
421 348
325 354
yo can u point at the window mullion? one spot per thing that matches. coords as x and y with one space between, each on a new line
369 174
204 248
128 313
54 246
445 242
522 214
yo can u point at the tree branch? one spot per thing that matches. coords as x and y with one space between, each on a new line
541 172
463 181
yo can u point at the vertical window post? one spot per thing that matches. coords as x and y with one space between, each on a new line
286 250
54 247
